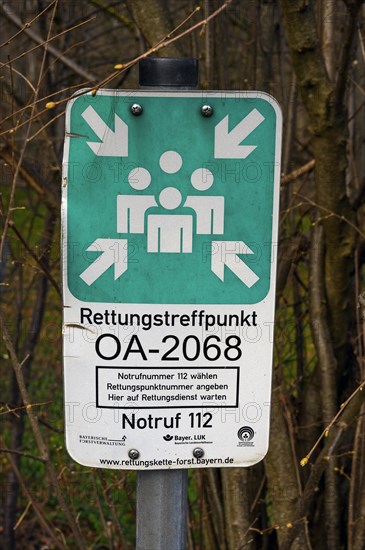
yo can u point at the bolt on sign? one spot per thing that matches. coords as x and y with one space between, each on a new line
170 214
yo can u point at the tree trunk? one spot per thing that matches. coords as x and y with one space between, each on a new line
155 24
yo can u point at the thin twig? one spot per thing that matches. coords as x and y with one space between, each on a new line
288 178
349 409
46 43
39 261
20 453
22 153
28 24
160 45
36 507
16 409
122 67
37 432
326 431
331 213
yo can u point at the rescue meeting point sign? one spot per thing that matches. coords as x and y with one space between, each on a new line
169 226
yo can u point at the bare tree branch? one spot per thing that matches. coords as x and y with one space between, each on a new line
36 507
37 432
9 13
328 368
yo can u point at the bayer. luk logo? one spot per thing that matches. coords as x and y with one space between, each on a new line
245 436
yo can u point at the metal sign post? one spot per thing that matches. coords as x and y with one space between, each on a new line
162 495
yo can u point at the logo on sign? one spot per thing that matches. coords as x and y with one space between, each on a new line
245 435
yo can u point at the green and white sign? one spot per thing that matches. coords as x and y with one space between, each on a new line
169 248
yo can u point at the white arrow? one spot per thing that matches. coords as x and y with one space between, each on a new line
114 251
227 144
226 253
113 144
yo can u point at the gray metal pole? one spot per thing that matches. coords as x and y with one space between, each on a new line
162 494
162 510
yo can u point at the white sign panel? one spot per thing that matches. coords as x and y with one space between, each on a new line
169 251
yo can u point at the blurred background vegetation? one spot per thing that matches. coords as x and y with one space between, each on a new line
310 55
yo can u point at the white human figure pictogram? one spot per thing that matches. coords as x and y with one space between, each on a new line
209 209
170 232
131 209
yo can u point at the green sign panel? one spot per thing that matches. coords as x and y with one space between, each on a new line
166 205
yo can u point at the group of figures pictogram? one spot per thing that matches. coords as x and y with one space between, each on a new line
170 232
